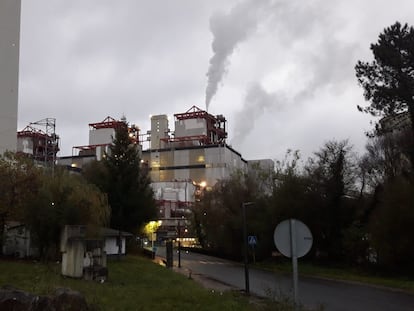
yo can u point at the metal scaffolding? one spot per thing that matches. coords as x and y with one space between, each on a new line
41 137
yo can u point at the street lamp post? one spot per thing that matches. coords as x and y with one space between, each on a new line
179 244
246 263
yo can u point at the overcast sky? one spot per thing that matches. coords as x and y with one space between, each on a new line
281 72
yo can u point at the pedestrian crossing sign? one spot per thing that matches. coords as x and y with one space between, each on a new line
252 240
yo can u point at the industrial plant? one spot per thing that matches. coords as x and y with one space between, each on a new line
182 162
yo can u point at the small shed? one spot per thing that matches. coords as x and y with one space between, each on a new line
18 240
85 254
82 256
112 239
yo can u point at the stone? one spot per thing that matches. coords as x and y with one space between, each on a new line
65 299
16 300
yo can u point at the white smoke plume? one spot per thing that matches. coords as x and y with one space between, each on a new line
328 66
228 31
256 103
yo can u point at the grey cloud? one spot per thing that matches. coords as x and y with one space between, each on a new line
256 103
83 60
327 61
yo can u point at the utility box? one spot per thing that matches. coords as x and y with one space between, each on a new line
169 249
82 257
72 258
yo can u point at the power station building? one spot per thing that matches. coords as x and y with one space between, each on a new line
9 72
181 162
195 151
100 138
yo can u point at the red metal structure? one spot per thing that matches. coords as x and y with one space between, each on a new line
215 127
108 123
43 145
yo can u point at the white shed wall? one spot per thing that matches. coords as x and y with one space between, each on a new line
111 248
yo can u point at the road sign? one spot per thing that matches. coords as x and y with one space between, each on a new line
293 239
303 238
252 240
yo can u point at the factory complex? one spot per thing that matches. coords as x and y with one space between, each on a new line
182 162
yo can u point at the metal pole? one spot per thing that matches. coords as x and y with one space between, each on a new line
246 265
179 244
294 260
152 239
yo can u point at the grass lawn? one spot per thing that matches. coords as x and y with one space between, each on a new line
134 283
342 273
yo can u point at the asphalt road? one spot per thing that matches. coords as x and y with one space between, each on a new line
313 292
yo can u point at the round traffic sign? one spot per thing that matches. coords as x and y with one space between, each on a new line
302 238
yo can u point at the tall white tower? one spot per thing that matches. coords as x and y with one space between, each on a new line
159 130
9 72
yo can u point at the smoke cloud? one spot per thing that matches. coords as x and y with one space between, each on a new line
228 31
257 101
328 66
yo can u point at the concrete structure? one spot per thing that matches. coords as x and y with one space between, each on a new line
9 72
81 256
182 162
159 131
84 254
18 241
206 163
196 151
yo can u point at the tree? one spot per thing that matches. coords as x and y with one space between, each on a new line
63 199
128 184
289 197
392 225
218 216
19 184
331 178
386 157
388 81
45 202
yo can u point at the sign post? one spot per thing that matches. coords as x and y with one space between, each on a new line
245 244
293 255
252 241
293 239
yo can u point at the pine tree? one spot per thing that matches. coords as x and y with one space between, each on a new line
388 81
129 192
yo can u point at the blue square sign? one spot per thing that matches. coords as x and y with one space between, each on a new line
252 240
